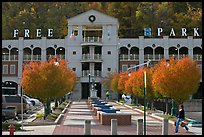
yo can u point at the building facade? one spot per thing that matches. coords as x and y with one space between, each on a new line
93 49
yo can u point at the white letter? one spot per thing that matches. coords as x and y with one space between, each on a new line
172 32
50 34
15 33
183 32
26 33
195 31
159 30
38 33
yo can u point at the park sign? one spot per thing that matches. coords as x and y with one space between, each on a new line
147 32
38 33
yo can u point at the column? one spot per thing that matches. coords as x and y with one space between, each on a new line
166 46
80 33
69 30
141 49
20 61
190 46
43 49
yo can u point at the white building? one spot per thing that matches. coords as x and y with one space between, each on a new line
94 49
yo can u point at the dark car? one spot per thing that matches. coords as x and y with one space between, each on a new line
9 113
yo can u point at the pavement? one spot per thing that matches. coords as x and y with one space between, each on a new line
74 119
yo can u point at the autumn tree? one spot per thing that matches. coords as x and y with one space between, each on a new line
177 79
123 77
47 81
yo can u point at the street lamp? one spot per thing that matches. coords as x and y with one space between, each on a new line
89 84
145 86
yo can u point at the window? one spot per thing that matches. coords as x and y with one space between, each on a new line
74 52
132 65
109 52
109 69
124 67
12 69
5 69
74 69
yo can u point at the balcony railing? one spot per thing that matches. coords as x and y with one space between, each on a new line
85 73
26 57
92 39
55 56
148 56
91 57
134 57
36 57
159 56
130 57
5 57
14 57
197 57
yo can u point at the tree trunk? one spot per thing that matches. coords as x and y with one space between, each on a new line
166 106
152 104
47 108
56 102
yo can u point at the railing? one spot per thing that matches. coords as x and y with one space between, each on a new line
5 57
14 57
123 57
159 56
134 57
97 73
85 73
36 57
92 39
148 56
197 57
55 56
26 57
91 57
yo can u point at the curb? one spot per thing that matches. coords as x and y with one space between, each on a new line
151 115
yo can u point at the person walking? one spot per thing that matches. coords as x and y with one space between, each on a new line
107 95
181 117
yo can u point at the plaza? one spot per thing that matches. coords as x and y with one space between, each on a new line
93 48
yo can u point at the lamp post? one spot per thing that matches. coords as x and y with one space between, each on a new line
89 84
145 86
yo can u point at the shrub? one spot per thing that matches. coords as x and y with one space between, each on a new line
52 116
5 125
40 115
142 108
60 107
121 101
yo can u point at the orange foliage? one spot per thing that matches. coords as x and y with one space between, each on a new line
123 76
176 79
46 80
114 82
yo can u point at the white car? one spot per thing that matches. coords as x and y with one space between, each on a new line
34 101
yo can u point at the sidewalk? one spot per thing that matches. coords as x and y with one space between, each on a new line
73 123
74 119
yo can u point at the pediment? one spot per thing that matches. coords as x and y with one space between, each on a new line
92 17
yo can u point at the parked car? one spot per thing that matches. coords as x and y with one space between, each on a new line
9 113
34 101
14 101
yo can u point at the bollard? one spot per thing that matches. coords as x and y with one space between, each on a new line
11 129
87 127
114 124
140 127
165 125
